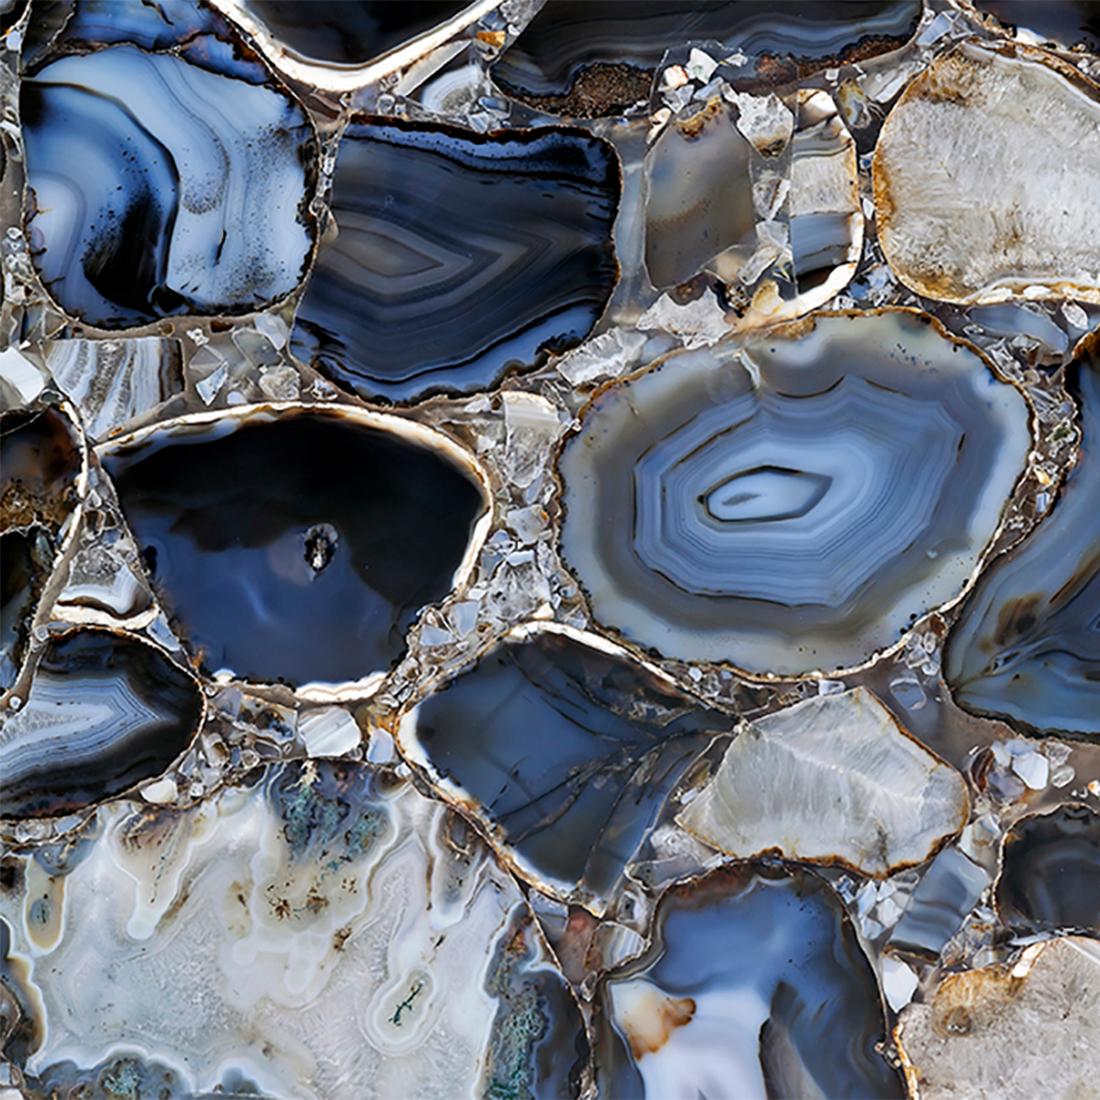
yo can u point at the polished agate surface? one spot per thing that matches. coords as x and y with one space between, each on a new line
794 501
549 549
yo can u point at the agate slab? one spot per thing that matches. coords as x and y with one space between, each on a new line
458 256
274 569
793 501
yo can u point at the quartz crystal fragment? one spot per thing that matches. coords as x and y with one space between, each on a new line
755 986
986 178
298 545
947 892
328 935
1050 877
586 58
148 201
792 501
105 711
711 207
1009 1032
566 748
1026 646
833 780
459 256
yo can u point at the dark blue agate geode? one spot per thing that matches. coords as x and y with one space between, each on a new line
296 546
459 256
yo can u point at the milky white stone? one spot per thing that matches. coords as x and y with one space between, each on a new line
987 178
831 779
1010 1033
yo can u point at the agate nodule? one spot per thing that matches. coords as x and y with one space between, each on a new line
795 500
298 544
458 256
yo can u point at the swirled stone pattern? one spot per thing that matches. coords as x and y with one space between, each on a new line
104 712
587 58
163 185
568 751
295 547
330 934
755 986
1027 645
794 501
460 256
1050 878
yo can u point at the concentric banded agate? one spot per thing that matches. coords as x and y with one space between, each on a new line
458 256
794 501
105 711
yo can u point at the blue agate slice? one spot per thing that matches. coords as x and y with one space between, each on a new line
164 183
567 750
296 546
459 256
755 985
1027 645
105 711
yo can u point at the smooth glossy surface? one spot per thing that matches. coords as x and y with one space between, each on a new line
296 546
794 501
596 57
349 32
831 780
104 712
756 987
566 750
179 206
1050 879
459 256
1027 646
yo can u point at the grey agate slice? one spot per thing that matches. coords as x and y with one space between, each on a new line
755 986
150 199
794 501
566 748
459 256
1050 878
104 712
1027 645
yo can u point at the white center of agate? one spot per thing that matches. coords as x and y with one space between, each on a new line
765 494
